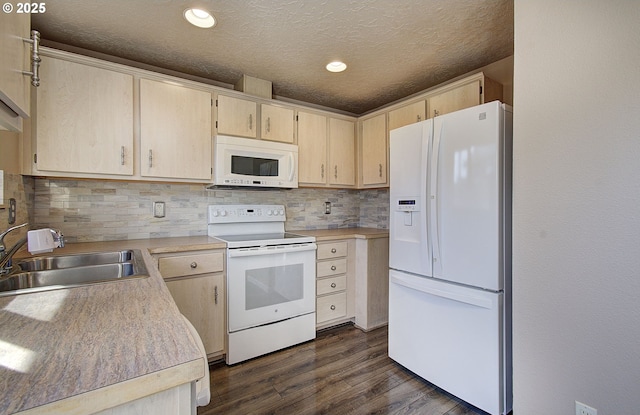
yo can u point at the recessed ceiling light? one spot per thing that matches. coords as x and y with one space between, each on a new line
336 66
200 18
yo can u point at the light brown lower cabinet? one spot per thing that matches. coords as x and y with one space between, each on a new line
352 282
196 282
335 278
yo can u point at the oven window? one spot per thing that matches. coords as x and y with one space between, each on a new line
253 166
273 285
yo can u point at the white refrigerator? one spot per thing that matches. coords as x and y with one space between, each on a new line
450 253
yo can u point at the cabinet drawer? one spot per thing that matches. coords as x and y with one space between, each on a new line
331 307
191 264
331 285
332 250
325 268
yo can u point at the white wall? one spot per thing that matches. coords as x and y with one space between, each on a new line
576 272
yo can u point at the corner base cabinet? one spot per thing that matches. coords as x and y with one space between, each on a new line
196 282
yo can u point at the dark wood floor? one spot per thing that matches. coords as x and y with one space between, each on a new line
343 371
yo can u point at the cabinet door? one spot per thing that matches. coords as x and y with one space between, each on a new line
276 123
464 96
175 131
312 148
84 119
237 116
406 115
201 300
14 85
342 152
374 151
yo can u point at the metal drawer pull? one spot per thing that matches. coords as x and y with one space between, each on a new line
333 250
333 267
333 285
332 307
194 265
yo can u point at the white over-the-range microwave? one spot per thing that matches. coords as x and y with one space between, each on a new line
246 162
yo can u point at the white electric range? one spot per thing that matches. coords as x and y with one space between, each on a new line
270 280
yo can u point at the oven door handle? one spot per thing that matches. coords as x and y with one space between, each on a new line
271 250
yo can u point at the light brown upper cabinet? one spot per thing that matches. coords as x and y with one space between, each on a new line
239 117
276 123
14 84
312 148
407 114
175 131
476 90
84 121
373 150
342 152
326 151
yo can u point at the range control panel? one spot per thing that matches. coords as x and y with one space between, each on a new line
246 213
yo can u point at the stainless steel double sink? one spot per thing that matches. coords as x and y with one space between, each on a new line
66 271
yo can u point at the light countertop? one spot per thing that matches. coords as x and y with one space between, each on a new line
62 344
344 233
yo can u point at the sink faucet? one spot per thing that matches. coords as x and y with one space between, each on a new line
35 239
5 256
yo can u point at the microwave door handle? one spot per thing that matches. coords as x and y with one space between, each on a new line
292 171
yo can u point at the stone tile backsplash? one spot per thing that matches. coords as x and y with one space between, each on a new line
95 210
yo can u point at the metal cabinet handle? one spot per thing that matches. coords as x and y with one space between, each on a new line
333 285
35 58
215 295
322 171
150 158
333 250
335 174
250 121
122 155
418 118
332 307
380 169
435 113
194 265
268 124
333 267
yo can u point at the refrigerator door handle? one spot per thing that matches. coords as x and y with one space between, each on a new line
415 283
434 199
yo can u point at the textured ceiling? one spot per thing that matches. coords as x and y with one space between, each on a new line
393 48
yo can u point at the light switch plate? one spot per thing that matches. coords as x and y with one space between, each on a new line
158 209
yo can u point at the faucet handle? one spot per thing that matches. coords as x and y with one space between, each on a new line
3 234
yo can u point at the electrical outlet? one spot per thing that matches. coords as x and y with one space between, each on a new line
327 208
158 209
582 409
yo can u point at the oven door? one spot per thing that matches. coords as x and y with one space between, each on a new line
269 284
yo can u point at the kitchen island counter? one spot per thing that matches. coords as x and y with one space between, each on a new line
85 349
